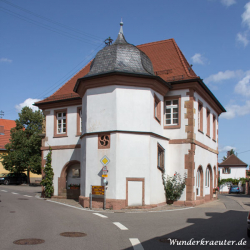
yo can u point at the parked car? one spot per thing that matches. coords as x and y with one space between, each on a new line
234 189
248 225
13 178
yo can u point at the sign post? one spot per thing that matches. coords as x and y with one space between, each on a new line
98 191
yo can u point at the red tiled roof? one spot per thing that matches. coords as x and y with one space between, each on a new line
7 126
233 161
168 62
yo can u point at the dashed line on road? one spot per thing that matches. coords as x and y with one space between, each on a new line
4 191
119 225
136 244
14 193
27 195
101 215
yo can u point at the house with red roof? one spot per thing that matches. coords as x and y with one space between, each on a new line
5 127
231 167
130 116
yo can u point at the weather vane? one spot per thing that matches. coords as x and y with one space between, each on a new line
108 41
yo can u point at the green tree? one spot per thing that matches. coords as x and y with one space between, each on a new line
23 151
47 181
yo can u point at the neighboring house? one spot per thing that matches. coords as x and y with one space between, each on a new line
5 127
233 168
146 110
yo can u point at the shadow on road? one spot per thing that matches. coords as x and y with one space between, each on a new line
229 226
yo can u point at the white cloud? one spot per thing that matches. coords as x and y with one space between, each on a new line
198 58
28 102
242 38
236 110
220 76
228 2
226 148
246 15
5 60
243 86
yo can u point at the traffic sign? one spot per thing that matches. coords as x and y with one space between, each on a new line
98 190
105 160
104 175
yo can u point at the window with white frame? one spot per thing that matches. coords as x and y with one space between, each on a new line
226 171
171 112
61 122
207 180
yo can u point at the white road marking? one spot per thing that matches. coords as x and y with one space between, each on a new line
118 224
136 244
101 215
4 191
27 195
14 193
80 208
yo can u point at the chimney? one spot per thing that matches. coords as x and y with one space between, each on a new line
1 130
228 154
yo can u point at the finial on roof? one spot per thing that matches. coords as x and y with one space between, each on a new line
121 30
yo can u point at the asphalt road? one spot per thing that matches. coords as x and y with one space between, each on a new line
24 216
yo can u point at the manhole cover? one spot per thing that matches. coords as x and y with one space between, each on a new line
29 242
23 199
73 234
12 211
167 240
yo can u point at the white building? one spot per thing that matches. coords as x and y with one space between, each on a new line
146 110
233 168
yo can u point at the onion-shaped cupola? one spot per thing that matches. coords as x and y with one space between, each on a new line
121 57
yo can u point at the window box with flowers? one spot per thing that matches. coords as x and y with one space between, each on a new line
74 186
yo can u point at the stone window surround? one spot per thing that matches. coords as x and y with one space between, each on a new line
200 116
168 98
161 166
55 122
208 122
78 122
157 113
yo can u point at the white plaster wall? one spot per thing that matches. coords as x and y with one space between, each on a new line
203 158
177 133
176 162
59 159
236 173
71 138
202 137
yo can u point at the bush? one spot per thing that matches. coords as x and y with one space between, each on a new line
174 186
47 181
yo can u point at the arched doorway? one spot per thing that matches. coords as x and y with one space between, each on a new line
70 174
199 183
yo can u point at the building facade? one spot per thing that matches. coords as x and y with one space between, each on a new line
147 111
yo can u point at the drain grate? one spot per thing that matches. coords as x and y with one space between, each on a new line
73 234
23 199
167 240
29 242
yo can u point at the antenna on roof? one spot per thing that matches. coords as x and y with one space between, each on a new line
108 41
1 114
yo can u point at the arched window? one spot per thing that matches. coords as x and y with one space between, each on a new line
207 178
198 182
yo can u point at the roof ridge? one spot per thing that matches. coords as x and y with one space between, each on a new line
71 78
152 43
180 54
232 156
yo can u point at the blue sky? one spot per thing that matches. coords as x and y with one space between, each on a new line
44 43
